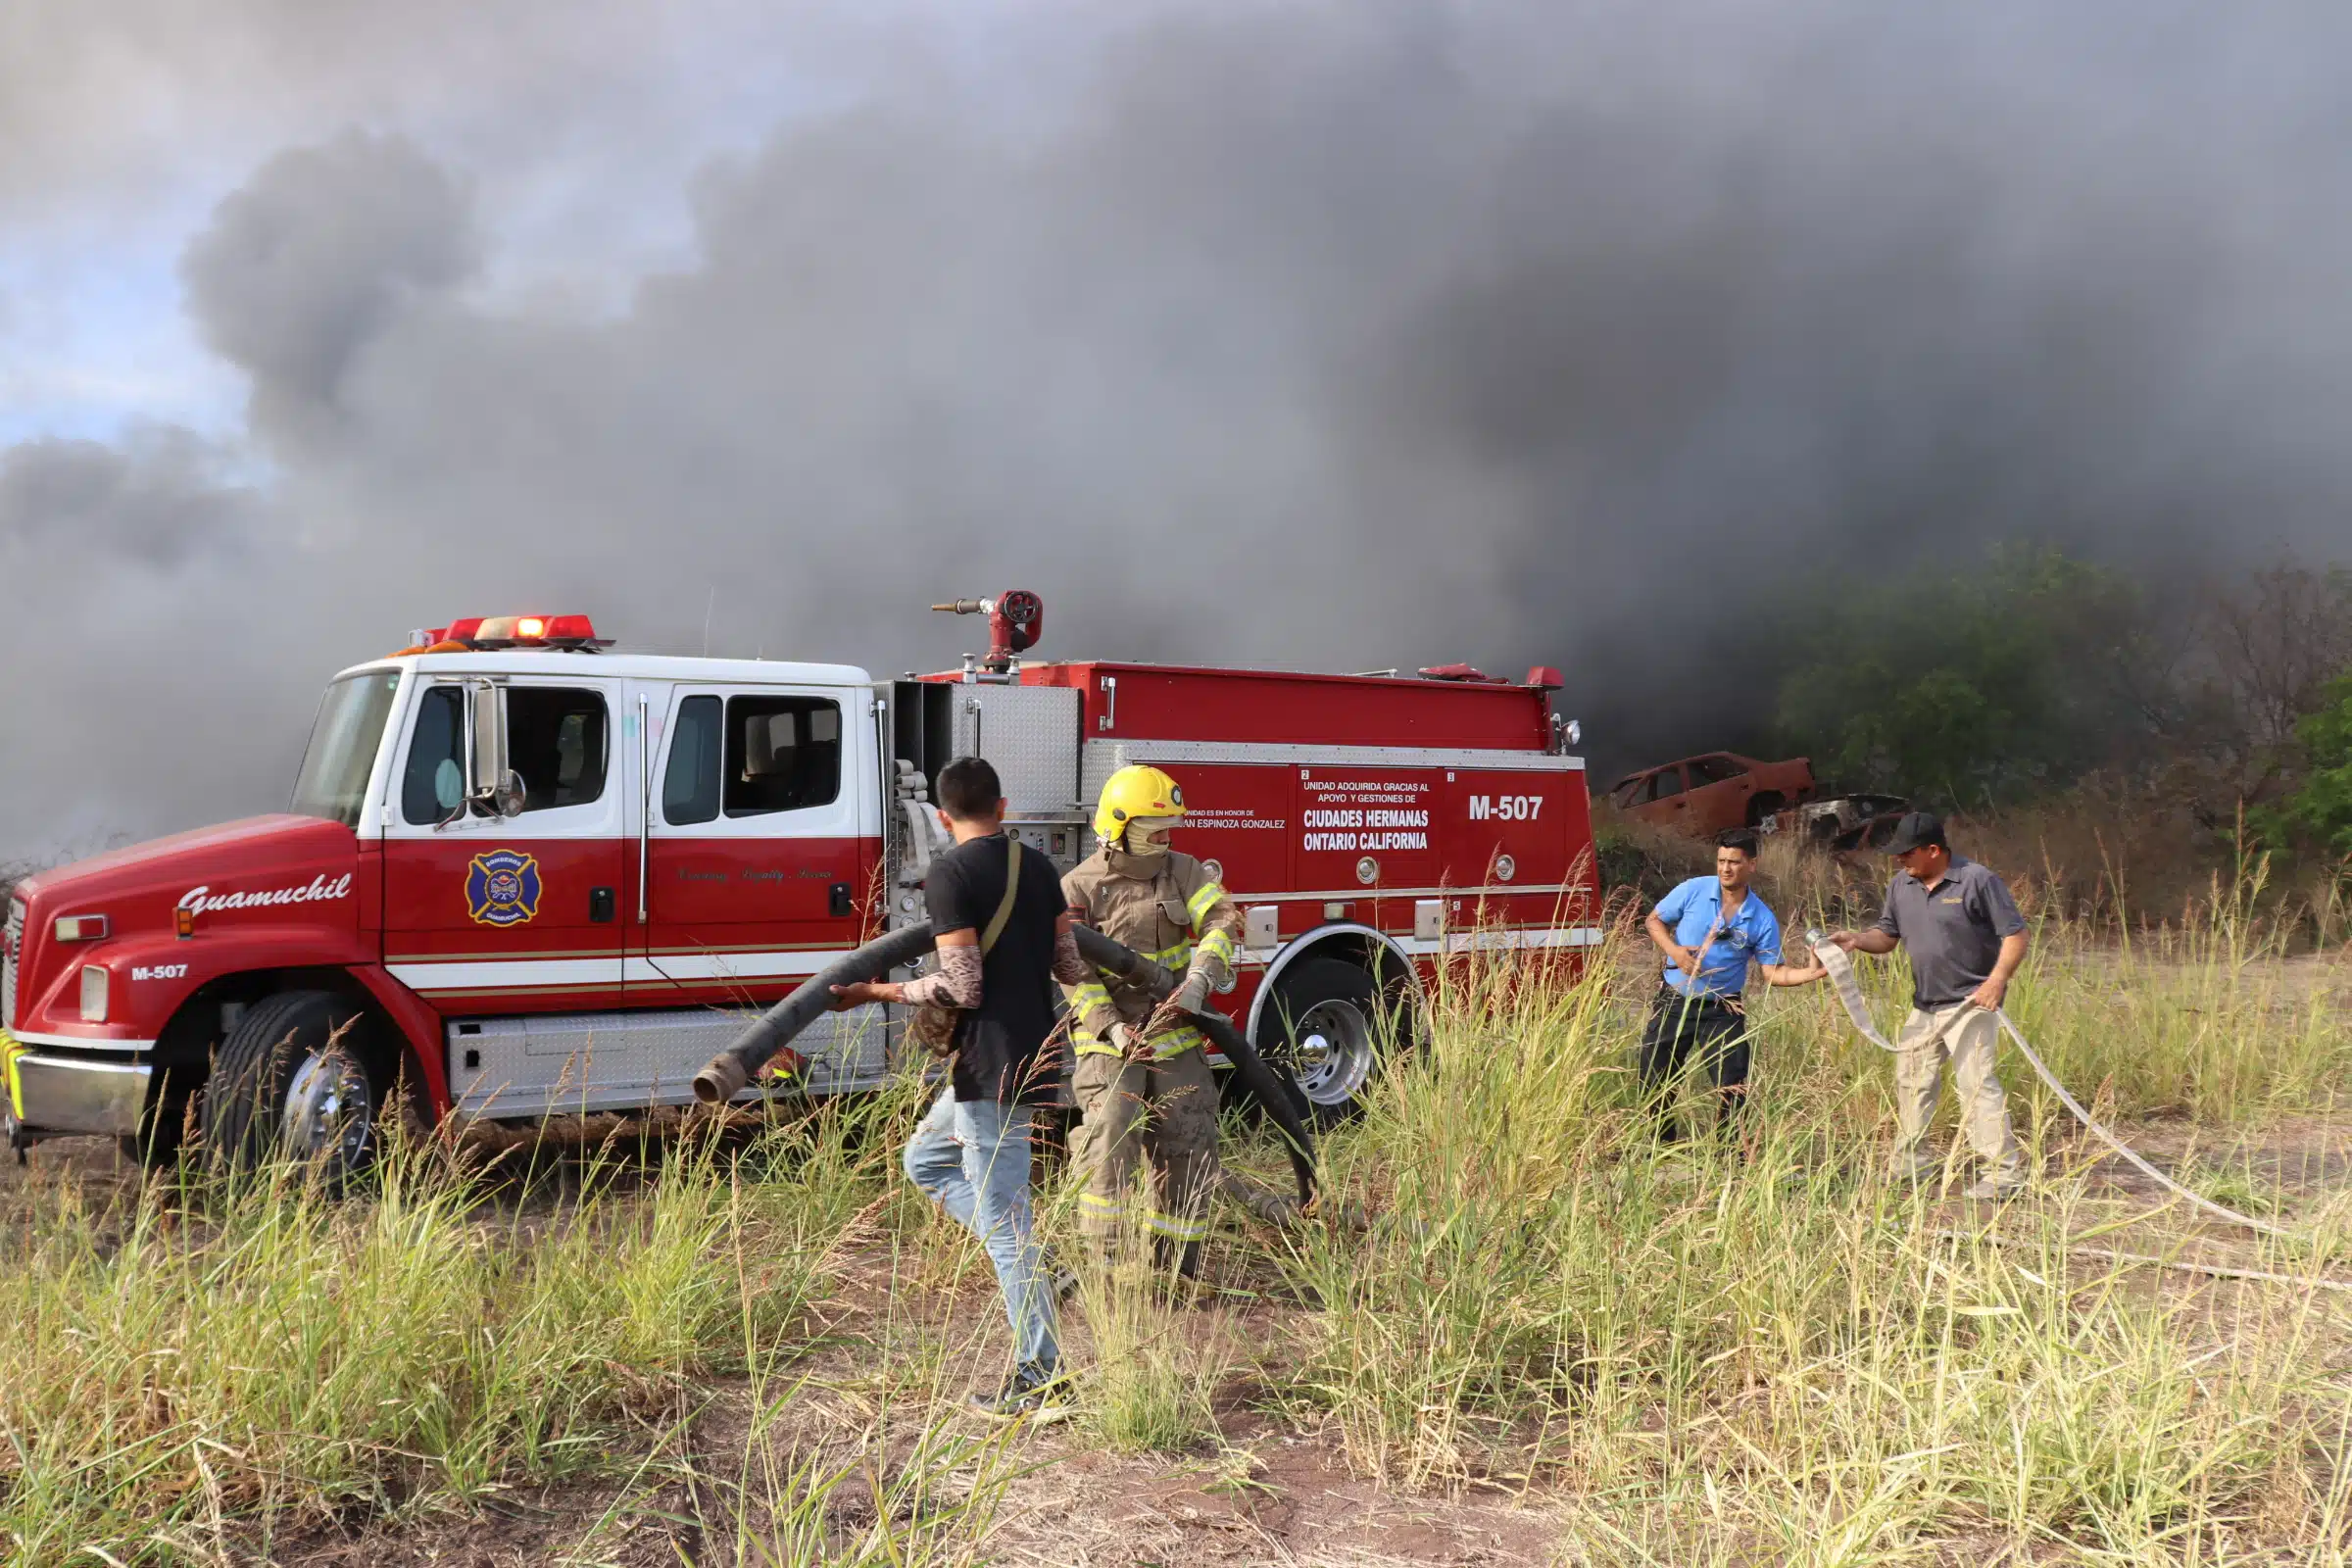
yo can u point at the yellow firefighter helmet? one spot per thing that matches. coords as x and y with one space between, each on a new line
1133 792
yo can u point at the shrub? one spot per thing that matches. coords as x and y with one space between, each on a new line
2321 810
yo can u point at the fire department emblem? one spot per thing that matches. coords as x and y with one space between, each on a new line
502 887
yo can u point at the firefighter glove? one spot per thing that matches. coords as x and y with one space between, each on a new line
1193 994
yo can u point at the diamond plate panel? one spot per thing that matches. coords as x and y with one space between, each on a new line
1030 734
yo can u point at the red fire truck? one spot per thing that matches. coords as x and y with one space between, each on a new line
525 876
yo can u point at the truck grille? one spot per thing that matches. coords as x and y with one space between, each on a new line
9 943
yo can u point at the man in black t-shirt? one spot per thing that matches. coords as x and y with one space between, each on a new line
998 959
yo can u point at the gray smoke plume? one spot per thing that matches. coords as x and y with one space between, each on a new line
1343 336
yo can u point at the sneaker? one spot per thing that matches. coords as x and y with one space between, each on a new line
1988 1191
1035 1390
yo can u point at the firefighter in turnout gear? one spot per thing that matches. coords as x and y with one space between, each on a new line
1145 1092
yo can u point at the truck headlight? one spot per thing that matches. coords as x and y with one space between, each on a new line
93 992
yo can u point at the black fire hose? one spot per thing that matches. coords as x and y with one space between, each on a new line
1277 1096
730 1072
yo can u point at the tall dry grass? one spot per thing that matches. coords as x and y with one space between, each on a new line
198 1373
1700 1358
1774 1355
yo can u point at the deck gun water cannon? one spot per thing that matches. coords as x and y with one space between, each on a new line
1015 618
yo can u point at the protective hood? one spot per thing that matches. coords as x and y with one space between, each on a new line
1143 848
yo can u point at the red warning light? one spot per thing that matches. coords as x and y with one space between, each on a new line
573 632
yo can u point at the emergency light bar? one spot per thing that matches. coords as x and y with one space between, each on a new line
576 632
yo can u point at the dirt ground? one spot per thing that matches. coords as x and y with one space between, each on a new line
1268 1492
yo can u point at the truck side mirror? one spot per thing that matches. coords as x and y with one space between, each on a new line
489 780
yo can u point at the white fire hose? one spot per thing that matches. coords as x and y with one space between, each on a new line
1849 992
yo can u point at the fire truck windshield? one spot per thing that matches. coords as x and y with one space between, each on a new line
343 745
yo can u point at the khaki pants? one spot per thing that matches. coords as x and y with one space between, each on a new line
1967 1036
1159 1114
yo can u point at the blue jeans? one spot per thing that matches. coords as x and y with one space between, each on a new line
972 1158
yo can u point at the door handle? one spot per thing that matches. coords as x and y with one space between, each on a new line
840 903
600 905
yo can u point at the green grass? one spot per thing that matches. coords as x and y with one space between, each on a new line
1150 1374
1699 1361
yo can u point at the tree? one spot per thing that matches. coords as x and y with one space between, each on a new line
1974 689
2268 647
2321 811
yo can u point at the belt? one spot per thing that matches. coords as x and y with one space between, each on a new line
1685 999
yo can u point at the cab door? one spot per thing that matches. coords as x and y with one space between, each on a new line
763 839
487 915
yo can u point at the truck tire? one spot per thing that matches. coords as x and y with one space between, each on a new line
286 1083
163 1123
1325 1027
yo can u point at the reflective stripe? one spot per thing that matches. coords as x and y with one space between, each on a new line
1218 945
1088 994
1175 1042
1175 1226
1164 1047
10 1051
1175 957
1089 1204
1212 894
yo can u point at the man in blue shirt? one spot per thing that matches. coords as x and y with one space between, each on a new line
1710 929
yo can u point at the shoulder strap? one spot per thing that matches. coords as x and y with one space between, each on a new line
1013 886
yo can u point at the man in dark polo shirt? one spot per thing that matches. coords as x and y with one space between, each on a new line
999 959
1966 940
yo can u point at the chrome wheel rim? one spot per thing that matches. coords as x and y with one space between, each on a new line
328 1109
1331 1052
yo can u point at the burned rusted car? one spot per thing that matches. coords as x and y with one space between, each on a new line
1714 793
1846 821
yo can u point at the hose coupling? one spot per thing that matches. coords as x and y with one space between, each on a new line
720 1080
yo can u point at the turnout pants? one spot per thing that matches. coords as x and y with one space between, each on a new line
1967 1035
1157 1115
1693 1034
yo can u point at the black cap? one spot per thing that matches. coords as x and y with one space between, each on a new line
1916 831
